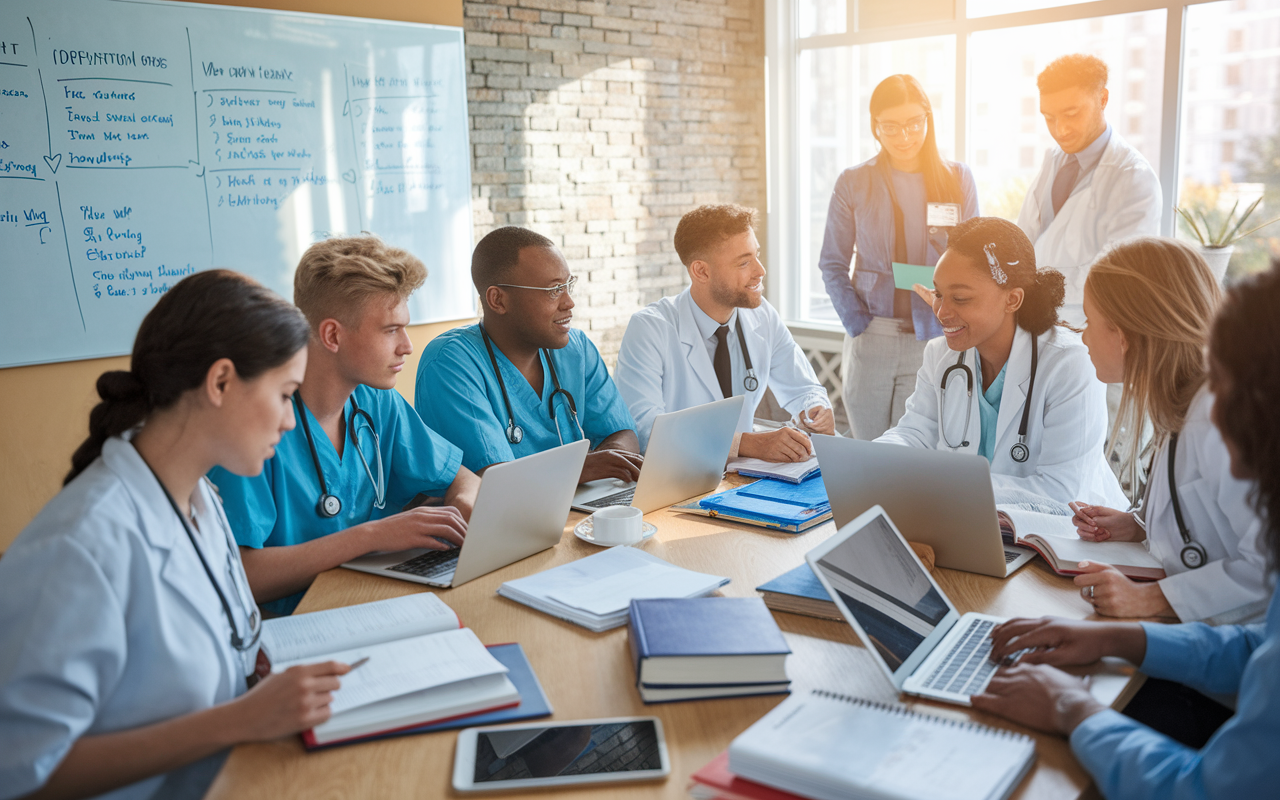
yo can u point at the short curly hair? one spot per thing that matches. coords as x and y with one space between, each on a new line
707 226
1075 70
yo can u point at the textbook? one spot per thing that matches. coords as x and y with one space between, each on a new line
798 591
794 472
829 746
768 503
706 647
533 701
419 665
716 782
1054 537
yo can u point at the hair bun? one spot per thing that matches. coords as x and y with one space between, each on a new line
120 386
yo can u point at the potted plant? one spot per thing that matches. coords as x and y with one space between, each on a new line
1216 247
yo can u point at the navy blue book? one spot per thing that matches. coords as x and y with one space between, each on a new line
533 701
799 591
704 647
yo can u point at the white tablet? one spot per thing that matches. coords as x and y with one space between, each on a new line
560 754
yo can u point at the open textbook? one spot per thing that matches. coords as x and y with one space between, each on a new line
1054 537
421 666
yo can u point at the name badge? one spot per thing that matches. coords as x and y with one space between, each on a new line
942 215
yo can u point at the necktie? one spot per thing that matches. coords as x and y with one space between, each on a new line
724 372
1064 182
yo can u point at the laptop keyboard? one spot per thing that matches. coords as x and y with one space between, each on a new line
622 498
435 564
967 668
1010 556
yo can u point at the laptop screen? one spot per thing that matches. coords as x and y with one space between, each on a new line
885 589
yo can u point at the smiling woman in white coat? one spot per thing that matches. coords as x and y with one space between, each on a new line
128 629
1005 381
1150 303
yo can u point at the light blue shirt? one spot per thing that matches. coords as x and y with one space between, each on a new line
989 412
278 507
1129 760
1088 159
458 395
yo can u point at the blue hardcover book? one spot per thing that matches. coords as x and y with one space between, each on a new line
799 591
706 647
770 503
533 701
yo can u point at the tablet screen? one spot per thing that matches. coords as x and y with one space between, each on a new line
530 753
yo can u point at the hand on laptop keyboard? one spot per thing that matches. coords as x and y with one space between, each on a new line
620 464
424 527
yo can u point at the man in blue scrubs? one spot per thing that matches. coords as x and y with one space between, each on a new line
336 485
523 381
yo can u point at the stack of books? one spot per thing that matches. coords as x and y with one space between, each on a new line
799 591
595 592
706 647
419 670
781 505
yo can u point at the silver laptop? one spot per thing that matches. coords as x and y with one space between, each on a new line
936 497
902 616
686 456
520 510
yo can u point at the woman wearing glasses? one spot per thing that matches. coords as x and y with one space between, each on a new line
895 207
127 625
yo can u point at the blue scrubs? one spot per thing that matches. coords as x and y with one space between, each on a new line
989 414
278 507
457 394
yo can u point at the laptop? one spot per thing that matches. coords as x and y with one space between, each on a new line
918 638
520 510
686 456
936 497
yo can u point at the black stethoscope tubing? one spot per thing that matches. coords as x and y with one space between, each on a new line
329 505
1193 555
749 381
1019 452
255 630
515 433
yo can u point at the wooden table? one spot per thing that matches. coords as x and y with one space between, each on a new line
589 674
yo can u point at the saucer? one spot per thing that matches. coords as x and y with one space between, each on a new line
584 530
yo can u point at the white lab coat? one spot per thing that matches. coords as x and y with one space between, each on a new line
1232 586
1066 429
664 365
1120 198
109 622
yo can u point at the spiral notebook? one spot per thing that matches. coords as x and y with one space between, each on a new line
829 746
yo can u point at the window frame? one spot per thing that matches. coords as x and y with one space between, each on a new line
782 51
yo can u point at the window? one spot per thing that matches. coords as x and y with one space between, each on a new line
1135 125
1234 75
1030 107
820 17
1230 119
1137 59
1235 41
1228 152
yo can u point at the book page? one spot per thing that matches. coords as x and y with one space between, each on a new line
614 593
1061 539
1027 523
409 665
311 636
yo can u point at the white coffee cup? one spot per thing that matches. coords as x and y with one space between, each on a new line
617 525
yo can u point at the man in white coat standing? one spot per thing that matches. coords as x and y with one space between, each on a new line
1094 188
720 338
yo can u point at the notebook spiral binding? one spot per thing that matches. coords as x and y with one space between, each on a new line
903 711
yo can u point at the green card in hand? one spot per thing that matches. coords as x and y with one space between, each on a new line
906 275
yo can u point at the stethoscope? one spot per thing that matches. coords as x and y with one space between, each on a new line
1019 452
255 618
329 505
515 433
1193 555
749 382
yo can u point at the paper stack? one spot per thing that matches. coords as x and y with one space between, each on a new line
596 592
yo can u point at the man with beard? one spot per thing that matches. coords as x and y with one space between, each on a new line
721 338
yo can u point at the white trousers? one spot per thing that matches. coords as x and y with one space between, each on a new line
879 374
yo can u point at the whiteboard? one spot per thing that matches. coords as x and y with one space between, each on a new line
144 141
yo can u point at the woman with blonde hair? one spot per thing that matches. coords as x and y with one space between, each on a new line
1150 303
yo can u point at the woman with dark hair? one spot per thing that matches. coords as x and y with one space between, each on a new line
1021 391
129 631
894 207
1126 758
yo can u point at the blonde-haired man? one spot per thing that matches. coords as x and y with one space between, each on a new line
359 453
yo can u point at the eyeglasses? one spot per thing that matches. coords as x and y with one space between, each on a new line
893 130
553 292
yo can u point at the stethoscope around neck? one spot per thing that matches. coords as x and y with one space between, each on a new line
749 382
1019 452
515 433
1193 555
329 505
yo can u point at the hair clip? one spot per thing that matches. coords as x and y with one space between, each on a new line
997 274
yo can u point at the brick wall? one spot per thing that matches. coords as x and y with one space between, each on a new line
600 124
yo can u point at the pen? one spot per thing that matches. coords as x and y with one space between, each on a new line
358 664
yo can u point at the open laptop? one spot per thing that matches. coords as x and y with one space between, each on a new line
687 453
520 510
936 497
916 635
